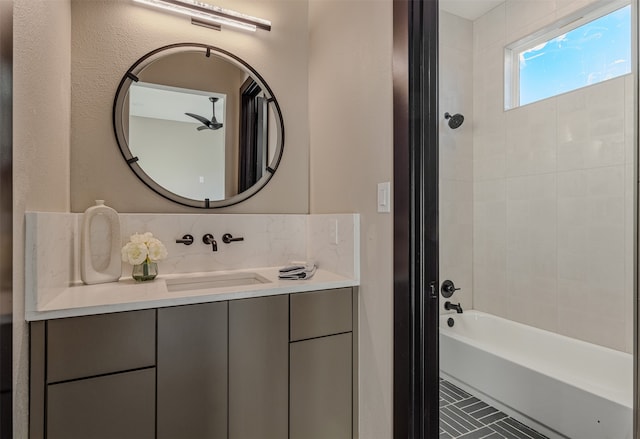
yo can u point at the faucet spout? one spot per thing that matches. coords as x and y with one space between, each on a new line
449 306
208 239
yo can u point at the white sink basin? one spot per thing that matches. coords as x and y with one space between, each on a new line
215 281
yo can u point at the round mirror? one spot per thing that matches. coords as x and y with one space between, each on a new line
198 125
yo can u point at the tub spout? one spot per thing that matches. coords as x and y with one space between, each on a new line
449 306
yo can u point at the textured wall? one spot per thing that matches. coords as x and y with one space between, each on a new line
41 114
108 36
351 114
553 194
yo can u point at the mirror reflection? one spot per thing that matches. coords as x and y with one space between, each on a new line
162 135
198 125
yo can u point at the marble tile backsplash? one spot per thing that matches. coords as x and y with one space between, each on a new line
53 244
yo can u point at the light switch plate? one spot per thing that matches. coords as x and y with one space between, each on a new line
384 197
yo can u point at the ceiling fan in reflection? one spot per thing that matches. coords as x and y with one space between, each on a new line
207 124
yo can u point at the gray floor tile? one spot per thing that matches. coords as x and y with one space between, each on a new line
528 432
463 416
476 406
454 391
508 431
454 423
494 417
481 433
448 428
457 413
468 402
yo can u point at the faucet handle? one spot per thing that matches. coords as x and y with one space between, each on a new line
227 238
186 240
448 288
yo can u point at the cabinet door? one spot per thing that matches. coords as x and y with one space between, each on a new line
192 371
119 406
259 368
321 388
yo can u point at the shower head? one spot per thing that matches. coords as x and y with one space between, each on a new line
454 121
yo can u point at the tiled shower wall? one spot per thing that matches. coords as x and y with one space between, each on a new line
456 157
552 193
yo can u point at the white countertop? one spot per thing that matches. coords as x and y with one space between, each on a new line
128 295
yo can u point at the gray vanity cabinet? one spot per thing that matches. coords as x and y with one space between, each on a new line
94 377
274 367
321 356
259 368
192 371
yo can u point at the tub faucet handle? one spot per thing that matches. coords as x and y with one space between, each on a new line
448 288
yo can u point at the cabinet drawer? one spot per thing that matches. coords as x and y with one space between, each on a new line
320 313
86 346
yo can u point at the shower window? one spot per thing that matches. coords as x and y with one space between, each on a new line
575 52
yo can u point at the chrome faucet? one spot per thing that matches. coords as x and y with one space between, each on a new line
209 240
449 306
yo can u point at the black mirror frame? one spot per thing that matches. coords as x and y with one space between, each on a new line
132 76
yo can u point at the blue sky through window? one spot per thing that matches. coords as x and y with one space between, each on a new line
594 52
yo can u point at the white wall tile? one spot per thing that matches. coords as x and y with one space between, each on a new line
531 139
461 38
490 292
629 239
566 7
531 247
591 126
526 16
532 311
490 28
490 166
456 152
456 202
629 120
489 135
488 82
456 261
552 202
456 157
592 327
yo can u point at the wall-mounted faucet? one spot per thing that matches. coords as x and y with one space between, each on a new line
186 240
209 240
227 238
449 306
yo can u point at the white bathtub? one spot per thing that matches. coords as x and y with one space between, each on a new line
564 387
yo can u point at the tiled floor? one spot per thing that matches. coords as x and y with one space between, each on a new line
463 416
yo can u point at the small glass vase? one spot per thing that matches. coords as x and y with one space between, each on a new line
145 271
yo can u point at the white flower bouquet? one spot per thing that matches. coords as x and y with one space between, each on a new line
143 248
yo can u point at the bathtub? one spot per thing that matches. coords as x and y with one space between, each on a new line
565 388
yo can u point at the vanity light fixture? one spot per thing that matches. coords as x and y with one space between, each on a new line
203 14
